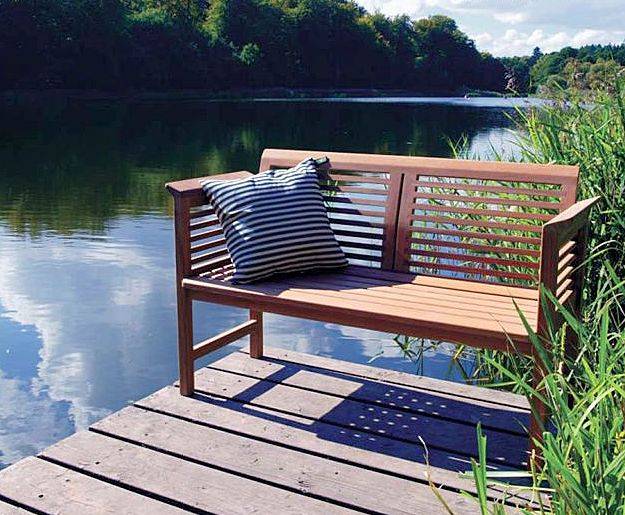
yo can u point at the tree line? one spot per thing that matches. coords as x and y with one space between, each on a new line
222 45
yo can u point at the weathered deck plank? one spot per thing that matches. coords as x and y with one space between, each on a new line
437 386
288 433
8 509
50 488
184 483
294 470
323 380
504 449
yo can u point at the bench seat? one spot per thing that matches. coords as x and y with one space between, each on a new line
484 315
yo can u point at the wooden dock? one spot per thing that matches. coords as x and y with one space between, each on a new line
290 433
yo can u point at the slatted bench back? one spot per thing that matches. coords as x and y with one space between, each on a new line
479 221
361 193
471 220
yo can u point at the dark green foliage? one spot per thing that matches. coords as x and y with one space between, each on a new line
554 69
225 44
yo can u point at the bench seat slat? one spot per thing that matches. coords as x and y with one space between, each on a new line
464 313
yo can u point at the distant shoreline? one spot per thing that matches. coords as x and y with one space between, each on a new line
239 94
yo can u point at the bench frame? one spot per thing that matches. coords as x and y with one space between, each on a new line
560 265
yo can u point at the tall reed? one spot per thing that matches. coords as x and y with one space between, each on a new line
584 453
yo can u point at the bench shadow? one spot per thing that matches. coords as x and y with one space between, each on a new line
387 419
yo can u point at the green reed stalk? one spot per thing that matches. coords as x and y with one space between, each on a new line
584 454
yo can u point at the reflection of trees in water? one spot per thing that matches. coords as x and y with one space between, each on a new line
77 167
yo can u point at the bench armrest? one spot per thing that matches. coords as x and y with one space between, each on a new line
563 252
188 194
192 187
566 224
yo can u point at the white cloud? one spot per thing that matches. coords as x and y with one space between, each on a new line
514 42
550 24
511 18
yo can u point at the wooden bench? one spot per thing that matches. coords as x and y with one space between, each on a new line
439 248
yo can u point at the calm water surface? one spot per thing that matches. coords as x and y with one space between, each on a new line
87 301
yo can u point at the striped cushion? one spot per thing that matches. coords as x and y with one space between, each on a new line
275 222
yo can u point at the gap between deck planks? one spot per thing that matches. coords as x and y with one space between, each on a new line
219 453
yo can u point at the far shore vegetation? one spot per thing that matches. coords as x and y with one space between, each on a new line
280 48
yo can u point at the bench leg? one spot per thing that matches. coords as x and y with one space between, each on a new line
185 343
256 336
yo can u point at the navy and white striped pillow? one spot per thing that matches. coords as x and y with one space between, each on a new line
275 222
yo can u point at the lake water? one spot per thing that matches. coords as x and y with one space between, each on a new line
87 301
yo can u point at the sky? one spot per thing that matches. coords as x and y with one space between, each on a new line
515 27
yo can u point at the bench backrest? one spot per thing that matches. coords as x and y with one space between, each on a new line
473 220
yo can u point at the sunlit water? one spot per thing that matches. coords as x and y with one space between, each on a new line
87 301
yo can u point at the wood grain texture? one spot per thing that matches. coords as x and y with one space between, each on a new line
381 454
392 377
412 401
51 488
504 449
310 475
190 485
8 509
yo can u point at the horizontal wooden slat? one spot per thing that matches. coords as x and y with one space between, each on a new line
448 284
358 245
371 420
432 166
211 265
209 211
399 298
475 258
206 234
423 293
355 212
566 296
439 404
489 236
357 223
492 213
207 245
203 224
354 200
278 466
371 309
494 201
362 257
472 270
354 189
475 223
355 178
533 192
357 234
563 275
492 249
192 486
51 488
339 444
461 392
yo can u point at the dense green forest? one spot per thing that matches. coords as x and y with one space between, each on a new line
219 45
